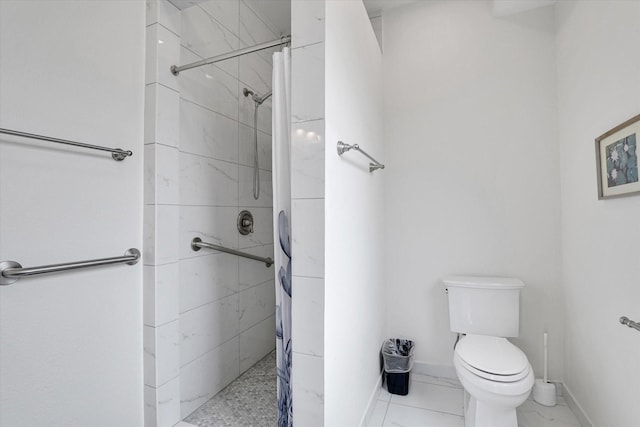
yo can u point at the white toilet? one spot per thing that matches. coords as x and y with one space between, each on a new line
495 374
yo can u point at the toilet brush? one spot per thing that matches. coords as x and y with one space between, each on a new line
544 392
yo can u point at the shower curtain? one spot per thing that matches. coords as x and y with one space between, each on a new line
281 179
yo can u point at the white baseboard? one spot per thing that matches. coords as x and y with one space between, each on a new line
576 408
373 398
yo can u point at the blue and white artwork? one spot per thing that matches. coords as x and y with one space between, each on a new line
622 161
283 326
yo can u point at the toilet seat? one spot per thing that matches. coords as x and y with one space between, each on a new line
492 358
494 377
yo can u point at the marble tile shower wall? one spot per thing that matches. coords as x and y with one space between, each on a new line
213 313
161 213
307 209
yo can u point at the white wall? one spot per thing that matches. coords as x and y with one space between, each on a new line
337 305
354 279
71 346
598 88
472 168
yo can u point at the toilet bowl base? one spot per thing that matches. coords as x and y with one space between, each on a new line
479 414
489 403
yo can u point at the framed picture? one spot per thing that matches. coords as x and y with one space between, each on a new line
617 160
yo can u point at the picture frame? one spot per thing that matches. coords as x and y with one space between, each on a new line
617 160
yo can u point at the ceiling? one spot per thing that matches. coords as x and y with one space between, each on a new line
512 7
277 13
376 7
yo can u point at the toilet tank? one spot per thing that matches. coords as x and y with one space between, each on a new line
484 305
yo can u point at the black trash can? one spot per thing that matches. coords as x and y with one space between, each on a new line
398 361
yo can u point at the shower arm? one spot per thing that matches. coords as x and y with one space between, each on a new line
257 98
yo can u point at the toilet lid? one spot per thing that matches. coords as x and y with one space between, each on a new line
494 358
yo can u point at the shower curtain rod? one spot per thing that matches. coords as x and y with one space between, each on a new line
175 70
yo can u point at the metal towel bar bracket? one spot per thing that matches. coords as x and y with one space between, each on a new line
197 244
116 153
630 323
10 271
343 148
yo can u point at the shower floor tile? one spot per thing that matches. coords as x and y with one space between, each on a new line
248 401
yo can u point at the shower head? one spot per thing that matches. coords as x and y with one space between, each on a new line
247 92
256 98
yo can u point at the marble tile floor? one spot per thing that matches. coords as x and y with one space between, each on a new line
432 402
249 401
438 402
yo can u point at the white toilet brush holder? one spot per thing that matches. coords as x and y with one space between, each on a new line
544 392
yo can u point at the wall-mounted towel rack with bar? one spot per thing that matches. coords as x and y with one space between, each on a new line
10 271
342 148
175 70
117 154
197 244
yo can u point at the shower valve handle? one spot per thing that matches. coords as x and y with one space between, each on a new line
245 223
